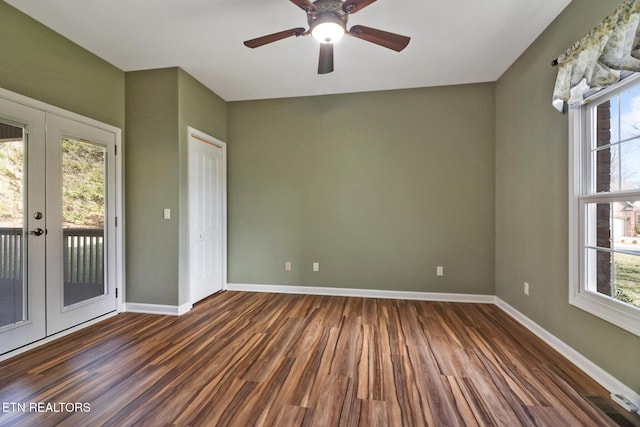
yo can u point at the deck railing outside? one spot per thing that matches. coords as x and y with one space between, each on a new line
11 298
83 254
10 254
83 251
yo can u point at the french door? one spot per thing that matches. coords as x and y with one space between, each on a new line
57 224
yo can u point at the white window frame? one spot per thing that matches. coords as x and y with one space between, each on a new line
623 315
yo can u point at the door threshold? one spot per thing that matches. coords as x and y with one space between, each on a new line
50 338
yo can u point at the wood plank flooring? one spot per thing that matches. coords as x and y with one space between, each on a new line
245 359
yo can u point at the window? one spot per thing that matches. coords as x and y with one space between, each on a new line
605 205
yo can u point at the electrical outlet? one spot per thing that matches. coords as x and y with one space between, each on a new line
526 288
316 266
287 266
439 270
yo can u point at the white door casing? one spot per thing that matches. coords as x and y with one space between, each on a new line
207 215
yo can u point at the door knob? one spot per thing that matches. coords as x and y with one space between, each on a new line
37 232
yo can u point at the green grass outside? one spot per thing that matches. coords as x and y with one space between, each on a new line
628 278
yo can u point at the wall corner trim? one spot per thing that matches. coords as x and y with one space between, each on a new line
364 293
601 376
169 310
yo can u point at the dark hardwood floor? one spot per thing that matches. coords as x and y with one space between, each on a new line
246 359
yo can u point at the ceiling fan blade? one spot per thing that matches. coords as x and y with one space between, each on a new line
325 64
389 40
305 5
352 6
260 41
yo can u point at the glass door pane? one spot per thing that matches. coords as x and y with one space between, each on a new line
13 291
83 220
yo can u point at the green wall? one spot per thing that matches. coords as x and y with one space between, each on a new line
153 183
379 188
160 104
200 108
43 65
532 199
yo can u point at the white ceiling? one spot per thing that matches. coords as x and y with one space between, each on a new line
452 42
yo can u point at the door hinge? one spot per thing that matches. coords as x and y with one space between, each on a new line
116 150
116 221
116 292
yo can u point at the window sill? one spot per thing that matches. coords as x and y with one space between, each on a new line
612 311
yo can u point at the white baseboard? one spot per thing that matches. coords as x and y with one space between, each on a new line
605 379
365 293
169 310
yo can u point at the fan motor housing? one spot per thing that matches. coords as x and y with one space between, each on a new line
325 8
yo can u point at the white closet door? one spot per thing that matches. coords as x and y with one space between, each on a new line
206 216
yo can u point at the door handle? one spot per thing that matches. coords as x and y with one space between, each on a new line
37 232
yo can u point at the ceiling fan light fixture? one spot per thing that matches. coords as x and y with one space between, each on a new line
328 28
328 23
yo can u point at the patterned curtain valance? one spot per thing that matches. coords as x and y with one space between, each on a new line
596 61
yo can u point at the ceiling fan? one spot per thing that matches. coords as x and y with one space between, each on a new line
328 23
